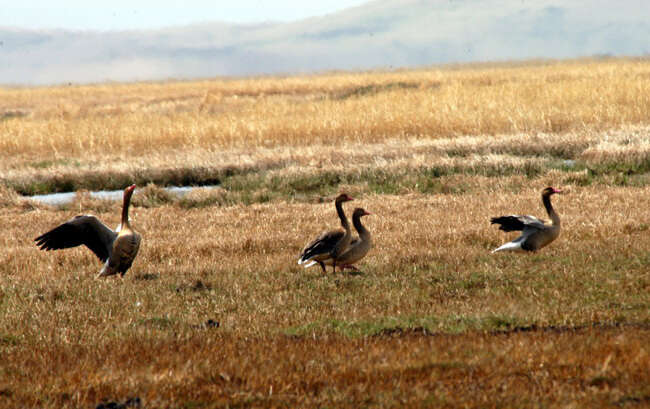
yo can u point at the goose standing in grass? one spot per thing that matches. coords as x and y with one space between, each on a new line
359 246
534 233
330 244
117 248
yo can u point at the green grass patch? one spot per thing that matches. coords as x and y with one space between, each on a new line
157 322
250 185
408 324
628 168
8 340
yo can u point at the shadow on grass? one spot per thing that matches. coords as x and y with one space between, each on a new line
354 273
146 277
424 326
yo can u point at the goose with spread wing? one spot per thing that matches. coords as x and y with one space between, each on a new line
535 234
329 245
116 248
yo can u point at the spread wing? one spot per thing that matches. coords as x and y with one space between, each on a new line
323 244
518 223
87 230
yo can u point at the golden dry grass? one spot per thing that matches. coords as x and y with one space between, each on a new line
122 121
430 269
584 368
434 320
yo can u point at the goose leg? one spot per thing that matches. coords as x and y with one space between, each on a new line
322 265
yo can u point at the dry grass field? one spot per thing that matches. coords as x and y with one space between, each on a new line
432 320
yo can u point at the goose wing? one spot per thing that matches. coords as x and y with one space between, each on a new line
323 244
86 229
519 223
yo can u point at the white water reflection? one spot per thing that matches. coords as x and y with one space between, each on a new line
57 199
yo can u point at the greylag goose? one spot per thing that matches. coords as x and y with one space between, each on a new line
359 246
330 244
116 248
534 233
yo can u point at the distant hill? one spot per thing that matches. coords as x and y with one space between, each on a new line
379 34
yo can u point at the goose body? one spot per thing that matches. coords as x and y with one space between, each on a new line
329 245
535 234
359 246
116 248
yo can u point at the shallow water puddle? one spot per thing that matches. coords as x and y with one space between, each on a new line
57 199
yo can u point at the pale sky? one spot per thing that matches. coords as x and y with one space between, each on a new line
147 14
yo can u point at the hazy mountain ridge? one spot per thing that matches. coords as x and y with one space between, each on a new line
390 33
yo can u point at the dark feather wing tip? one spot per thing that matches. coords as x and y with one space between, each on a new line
42 243
508 223
500 220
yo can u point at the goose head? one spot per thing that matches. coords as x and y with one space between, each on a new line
343 197
359 212
549 191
